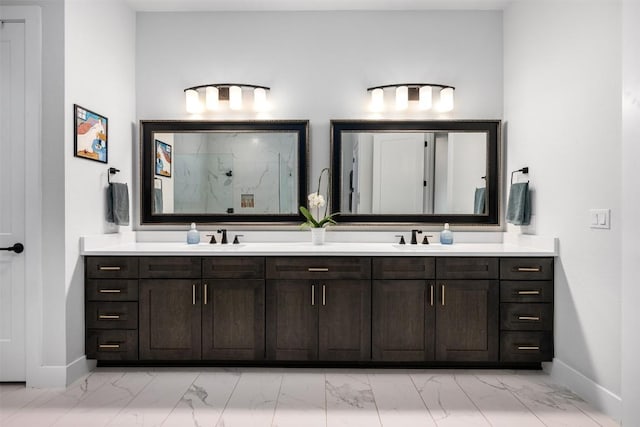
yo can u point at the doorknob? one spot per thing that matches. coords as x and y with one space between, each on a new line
17 248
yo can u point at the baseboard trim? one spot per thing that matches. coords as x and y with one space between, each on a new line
596 395
59 376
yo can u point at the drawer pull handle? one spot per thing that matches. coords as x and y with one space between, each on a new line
313 295
534 318
193 294
442 288
529 269
205 294
431 295
109 268
318 269
109 346
528 292
528 347
109 316
109 291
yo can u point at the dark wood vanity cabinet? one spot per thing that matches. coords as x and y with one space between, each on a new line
332 309
403 311
318 316
420 314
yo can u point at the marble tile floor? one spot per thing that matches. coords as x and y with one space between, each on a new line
255 397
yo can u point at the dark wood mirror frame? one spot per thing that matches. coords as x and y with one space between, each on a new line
493 176
147 154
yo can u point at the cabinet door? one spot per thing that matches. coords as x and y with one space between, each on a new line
170 319
233 320
467 321
345 320
292 320
403 320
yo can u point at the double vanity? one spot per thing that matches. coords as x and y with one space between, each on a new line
470 304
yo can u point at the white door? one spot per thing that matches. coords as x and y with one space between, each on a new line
12 201
398 173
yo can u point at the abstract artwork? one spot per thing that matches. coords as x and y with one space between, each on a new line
163 159
90 136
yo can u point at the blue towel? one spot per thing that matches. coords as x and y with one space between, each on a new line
519 205
118 203
157 200
479 201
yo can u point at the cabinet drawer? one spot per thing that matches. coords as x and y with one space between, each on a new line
467 268
112 267
526 291
526 346
112 290
112 345
112 315
233 268
404 268
526 268
526 317
318 268
176 267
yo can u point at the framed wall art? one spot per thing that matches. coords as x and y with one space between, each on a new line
163 159
90 137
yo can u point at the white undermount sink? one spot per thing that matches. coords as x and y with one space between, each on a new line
215 246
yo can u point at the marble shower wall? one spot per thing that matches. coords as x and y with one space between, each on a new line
249 172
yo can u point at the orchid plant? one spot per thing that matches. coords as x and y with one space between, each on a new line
316 201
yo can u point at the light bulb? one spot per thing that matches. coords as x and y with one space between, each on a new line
377 100
425 98
235 97
446 99
192 101
211 98
402 98
259 99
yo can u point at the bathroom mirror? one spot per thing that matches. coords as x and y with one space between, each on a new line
416 171
211 172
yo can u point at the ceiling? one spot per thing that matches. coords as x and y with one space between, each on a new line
302 5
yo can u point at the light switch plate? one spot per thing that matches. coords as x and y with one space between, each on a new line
600 218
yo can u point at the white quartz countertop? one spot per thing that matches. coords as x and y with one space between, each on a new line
308 249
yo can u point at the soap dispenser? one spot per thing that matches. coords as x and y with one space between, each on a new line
193 237
446 236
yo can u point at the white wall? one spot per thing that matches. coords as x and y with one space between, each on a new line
562 111
630 211
319 64
100 76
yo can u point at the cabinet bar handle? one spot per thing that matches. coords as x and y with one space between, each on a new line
442 288
528 292
324 297
193 294
108 316
109 291
318 269
431 295
529 269
313 294
528 347
535 318
109 346
109 268
205 294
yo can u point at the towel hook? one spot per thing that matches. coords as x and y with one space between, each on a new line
112 171
524 170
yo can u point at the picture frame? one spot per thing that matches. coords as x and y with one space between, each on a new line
163 159
90 135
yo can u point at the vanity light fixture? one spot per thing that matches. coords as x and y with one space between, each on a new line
420 92
214 93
